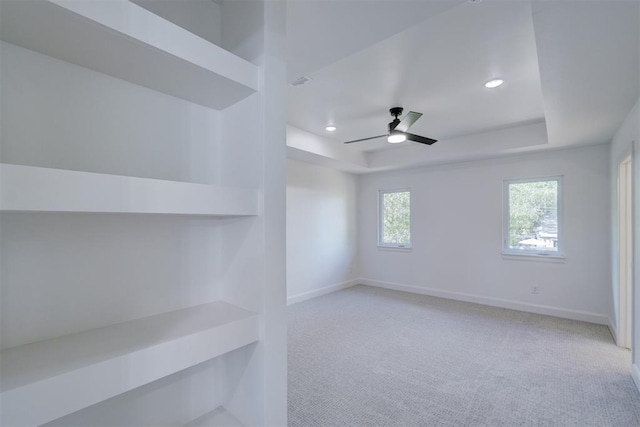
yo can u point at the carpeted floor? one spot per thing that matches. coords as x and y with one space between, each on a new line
373 357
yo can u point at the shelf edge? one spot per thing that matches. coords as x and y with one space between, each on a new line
126 41
36 189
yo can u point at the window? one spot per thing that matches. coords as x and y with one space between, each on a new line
533 216
395 219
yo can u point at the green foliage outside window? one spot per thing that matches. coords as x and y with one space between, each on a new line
396 217
533 214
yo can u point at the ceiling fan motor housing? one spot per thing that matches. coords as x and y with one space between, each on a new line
395 111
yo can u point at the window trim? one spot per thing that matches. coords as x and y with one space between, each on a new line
394 246
506 250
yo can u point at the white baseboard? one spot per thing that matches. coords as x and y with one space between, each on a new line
495 302
321 291
635 374
613 331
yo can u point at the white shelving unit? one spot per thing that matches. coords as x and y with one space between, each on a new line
118 358
124 40
94 324
35 189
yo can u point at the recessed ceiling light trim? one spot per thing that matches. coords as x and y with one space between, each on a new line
493 83
330 128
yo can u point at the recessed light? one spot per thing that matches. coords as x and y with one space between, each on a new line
330 128
493 83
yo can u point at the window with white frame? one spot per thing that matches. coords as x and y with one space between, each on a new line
533 216
394 218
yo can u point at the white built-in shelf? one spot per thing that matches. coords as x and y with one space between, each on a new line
219 417
124 40
45 380
35 189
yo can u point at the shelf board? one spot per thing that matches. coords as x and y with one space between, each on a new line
219 417
45 380
35 189
124 40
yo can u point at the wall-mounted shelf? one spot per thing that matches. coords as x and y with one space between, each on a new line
124 69
45 380
29 188
124 40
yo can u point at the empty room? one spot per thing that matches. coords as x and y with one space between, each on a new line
474 270
319 213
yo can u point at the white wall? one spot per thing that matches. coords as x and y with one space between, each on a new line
457 235
201 17
321 230
59 115
627 141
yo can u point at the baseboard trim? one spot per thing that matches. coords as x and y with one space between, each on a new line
635 374
294 299
613 331
495 302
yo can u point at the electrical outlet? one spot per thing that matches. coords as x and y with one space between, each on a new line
534 289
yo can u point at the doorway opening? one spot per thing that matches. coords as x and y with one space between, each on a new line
625 249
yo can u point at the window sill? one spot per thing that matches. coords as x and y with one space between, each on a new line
395 248
551 258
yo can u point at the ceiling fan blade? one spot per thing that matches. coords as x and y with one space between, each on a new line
420 139
407 121
365 139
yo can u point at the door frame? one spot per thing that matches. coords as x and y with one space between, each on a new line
625 252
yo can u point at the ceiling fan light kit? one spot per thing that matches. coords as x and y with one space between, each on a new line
396 137
398 129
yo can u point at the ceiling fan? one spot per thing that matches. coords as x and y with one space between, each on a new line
398 129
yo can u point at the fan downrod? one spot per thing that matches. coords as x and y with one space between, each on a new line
395 111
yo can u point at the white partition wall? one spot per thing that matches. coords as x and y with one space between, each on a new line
142 191
321 230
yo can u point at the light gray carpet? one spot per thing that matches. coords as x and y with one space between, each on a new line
373 357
